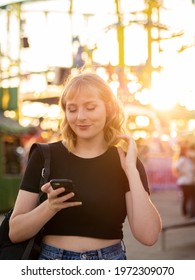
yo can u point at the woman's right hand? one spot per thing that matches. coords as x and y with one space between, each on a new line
55 202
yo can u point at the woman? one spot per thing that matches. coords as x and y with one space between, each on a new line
111 183
184 168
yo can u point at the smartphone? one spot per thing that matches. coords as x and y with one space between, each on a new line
69 187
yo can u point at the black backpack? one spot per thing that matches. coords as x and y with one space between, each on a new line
29 249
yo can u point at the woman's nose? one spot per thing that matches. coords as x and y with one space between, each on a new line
81 114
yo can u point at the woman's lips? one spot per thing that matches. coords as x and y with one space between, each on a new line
83 127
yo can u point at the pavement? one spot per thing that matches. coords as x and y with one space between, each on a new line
179 243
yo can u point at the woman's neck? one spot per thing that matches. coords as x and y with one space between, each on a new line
89 149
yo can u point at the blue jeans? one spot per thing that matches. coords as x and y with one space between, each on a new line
114 252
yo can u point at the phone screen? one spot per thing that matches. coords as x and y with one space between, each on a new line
68 185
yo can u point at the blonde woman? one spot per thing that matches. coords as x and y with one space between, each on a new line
111 182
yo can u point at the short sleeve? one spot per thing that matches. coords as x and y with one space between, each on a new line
32 176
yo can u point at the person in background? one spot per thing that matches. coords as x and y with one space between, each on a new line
111 182
184 168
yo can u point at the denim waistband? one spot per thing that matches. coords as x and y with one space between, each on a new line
115 251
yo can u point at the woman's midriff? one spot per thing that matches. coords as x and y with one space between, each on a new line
78 243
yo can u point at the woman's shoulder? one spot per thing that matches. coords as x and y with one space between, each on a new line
58 148
54 147
57 145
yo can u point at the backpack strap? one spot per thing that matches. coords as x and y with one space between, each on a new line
45 153
44 150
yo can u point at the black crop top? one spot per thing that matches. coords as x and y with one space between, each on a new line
101 183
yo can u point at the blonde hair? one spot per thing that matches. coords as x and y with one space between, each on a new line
88 82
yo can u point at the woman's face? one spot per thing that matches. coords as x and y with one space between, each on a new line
86 115
191 153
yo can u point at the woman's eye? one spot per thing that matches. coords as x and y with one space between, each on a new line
71 110
91 108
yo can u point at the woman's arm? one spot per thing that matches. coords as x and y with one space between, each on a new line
143 217
28 218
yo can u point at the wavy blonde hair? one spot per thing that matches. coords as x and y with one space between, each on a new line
88 82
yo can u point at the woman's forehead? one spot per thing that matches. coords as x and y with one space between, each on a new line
84 93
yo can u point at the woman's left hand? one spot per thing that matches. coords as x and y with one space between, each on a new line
128 157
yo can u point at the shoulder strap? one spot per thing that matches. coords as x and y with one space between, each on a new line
45 153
